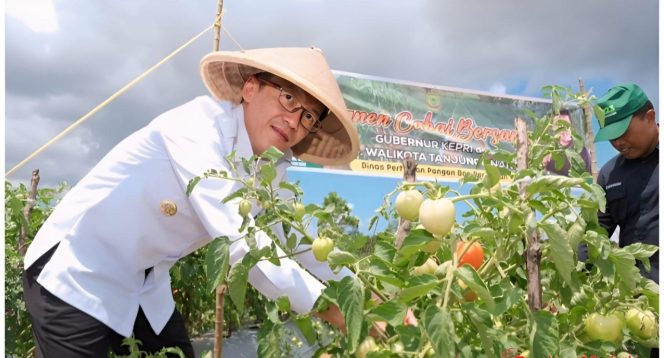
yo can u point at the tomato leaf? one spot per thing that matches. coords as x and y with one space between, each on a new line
410 336
272 154
192 183
391 312
305 325
349 295
216 261
485 340
340 258
413 242
626 270
237 285
268 173
470 277
544 335
560 250
642 252
439 327
418 286
597 194
268 340
381 269
548 183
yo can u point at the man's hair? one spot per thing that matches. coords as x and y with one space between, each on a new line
645 108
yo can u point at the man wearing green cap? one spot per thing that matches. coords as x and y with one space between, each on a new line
631 178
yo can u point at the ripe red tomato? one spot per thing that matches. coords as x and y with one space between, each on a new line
245 207
468 294
437 216
642 324
408 204
322 247
474 256
604 328
298 210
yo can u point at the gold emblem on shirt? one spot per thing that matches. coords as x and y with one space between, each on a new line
168 207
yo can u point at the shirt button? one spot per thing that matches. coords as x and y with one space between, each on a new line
168 208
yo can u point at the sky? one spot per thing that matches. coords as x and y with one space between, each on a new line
63 58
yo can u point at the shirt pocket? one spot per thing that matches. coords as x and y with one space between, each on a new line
616 204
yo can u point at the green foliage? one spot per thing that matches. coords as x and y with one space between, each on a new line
18 333
560 211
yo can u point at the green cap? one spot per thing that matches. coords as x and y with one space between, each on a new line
619 104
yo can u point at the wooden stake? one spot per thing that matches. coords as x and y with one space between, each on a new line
221 289
533 254
409 176
590 134
24 230
217 26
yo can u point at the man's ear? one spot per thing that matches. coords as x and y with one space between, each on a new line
250 88
650 116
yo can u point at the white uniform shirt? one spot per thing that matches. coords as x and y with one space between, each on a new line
111 229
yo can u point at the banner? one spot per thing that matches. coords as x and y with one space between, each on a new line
445 130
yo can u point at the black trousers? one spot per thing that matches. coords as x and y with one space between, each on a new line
61 330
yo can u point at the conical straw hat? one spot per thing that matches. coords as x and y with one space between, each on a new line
337 142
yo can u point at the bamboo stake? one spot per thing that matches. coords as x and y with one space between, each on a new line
219 320
217 26
533 254
27 210
590 135
409 176
221 289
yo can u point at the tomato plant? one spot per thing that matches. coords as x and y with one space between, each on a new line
470 253
408 204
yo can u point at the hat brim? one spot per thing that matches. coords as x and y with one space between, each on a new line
337 142
613 130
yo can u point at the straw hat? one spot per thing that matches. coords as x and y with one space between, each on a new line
337 142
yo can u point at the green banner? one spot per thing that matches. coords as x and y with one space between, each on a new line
445 130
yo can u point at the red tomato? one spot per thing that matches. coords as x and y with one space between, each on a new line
474 256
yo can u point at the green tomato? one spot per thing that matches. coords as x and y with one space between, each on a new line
322 247
437 216
368 345
298 210
604 328
427 268
408 204
245 207
642 324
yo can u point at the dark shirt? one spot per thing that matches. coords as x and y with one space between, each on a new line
632 202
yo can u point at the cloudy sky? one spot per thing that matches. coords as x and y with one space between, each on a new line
63 57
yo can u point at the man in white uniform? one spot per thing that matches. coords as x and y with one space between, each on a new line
98 270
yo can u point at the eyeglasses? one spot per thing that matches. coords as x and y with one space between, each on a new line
308 119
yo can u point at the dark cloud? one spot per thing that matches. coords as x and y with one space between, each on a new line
53 79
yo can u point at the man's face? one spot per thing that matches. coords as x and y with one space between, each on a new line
640 138
268 123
